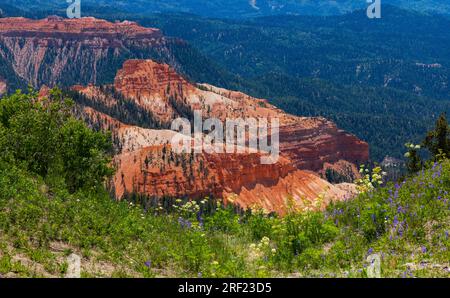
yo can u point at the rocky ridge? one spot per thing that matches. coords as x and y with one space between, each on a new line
147 165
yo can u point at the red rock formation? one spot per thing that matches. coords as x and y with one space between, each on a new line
313 147
69 51
308 142
82 28
237 178
147 165
151 85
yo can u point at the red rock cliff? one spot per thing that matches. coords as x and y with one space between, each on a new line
147 165
308 142
70 51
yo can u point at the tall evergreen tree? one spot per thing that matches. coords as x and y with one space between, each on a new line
437 141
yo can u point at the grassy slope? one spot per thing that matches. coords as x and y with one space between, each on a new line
406 224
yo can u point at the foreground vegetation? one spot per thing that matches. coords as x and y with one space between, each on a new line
53 203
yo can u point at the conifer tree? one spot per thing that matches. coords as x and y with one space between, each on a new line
437 141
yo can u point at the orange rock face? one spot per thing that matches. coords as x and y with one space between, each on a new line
237 178
147 165
322 144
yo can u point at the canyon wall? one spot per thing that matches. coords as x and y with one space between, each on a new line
147 165
69 51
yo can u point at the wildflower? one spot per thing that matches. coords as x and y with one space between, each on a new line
184 223
395 221
370 251
424 249
200 219
265 241
148 264
446 234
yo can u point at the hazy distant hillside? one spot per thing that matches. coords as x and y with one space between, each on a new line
229 8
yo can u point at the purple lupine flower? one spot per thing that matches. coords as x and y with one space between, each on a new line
200 219
184 223
181 221
395 221
446 234
148 264
370 251
424 249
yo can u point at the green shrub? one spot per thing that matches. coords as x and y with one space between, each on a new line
43 138
223 219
